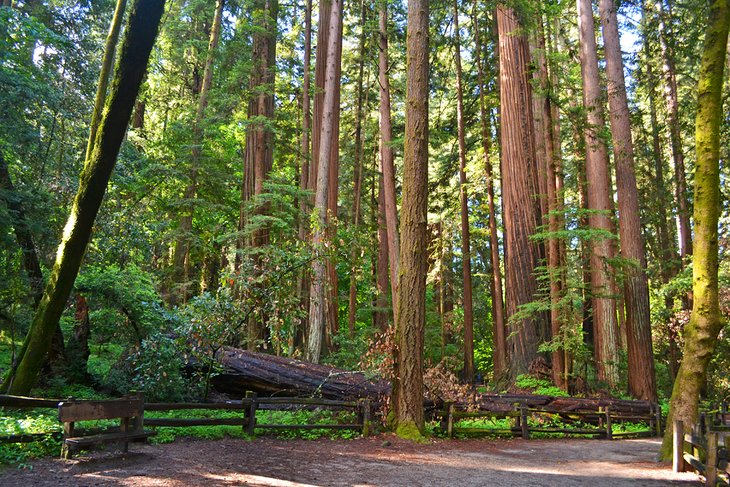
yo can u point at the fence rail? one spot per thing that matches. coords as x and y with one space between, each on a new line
249 407
703 449
604 419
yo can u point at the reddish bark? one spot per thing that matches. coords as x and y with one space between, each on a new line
499 357
605 331
522 214
464 203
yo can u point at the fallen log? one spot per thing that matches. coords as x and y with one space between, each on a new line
271 375
281 376
505 402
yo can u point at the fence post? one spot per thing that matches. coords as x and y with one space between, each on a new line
450 421
251 412
711 463
609 426
365 403
523 422
445 416
678 446
658 419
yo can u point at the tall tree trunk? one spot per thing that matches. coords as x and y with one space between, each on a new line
499 357
106 67
304 202
605 330
320 65
667 251
140 34
357 170
672 101
554 201
381 283
386 157
706 322
260 144
464 201
411 315
317 306
585 251
642 381
323 45
181 256
522 213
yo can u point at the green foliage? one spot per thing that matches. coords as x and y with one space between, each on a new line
348 351
539 386
126 304
102 359
155 367
208 323
31 421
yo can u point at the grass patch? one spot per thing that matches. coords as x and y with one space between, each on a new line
167 434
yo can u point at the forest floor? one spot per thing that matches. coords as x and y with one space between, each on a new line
375 461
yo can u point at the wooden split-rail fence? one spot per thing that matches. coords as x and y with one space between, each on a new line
599 423
705 447
249 406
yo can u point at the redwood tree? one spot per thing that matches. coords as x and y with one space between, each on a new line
181 256
522 213
499 346
330 112
259 155
642 382
605 331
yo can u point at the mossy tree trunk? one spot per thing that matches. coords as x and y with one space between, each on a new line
139 37
106 67
411 314
700 335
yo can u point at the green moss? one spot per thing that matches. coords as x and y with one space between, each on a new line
390 420
410 431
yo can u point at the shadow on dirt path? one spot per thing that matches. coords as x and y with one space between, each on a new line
376 461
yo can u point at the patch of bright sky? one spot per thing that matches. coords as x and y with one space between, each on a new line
629 18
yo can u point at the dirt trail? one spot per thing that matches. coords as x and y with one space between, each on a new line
376 461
